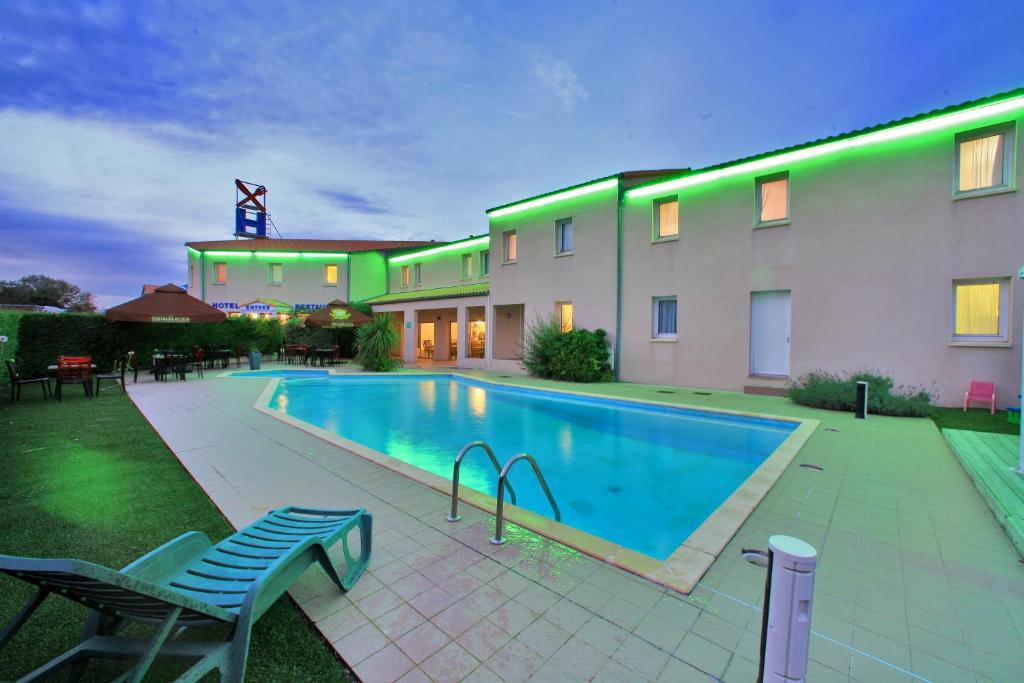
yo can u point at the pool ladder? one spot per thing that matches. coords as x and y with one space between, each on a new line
499 519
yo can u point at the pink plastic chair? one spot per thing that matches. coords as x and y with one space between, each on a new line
980 392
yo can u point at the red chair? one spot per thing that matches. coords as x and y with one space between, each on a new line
980 392
74 370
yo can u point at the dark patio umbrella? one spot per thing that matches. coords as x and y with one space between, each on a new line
337 314
167 304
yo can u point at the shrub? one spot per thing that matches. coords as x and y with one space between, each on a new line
375 342
44 336
575 356
820 389
9 322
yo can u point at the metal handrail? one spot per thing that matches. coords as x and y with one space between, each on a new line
499 519
455 516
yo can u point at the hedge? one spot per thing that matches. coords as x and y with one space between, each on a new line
9 322
831 391
42 337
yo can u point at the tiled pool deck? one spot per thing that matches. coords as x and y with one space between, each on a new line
916 580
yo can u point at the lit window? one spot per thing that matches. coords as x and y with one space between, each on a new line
980 310
485 262
417 273
467 265
405 276
563 311
664 317
331 274
772 199
220 273
276 273
509 242
563 236
984 160
666 218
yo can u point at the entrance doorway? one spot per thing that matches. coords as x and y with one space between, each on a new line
425 345
769 333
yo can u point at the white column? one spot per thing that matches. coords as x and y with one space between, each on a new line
462 323
488 332
789 612
412 322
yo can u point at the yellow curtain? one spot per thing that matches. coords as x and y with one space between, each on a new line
668 219
565 316
981 163
774 200
977 309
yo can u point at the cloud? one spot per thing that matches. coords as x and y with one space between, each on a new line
562 81
354 202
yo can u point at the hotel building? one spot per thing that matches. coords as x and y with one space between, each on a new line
894 248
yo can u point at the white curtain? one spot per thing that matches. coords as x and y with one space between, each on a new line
668 219
774 200
667 316
981 163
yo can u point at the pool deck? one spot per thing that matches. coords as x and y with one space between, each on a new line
990 460
916 581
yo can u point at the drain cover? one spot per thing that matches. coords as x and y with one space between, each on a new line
702 393
612 488
811 466
665 391
831 429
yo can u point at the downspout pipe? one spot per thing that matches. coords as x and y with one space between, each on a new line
202 276
616 349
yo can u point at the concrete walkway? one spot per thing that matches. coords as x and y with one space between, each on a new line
917 581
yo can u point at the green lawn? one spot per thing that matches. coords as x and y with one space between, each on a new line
975 420
92 480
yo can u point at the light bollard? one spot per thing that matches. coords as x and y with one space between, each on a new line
786 625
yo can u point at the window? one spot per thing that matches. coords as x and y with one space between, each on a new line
417 273
331 274
508 239
664 317
563 312
405 276
981 310
220 273
485 262
191 275
467 265
666 218
276 273
772 199
984 160
563 236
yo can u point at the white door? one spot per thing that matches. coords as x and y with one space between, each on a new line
769 333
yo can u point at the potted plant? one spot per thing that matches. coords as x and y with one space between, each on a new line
255 356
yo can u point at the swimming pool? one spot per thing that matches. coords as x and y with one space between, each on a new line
284 374
640 475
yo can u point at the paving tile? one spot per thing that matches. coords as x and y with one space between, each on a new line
512 617
567 615
703 654
515 662
411 585
602 634
432 601
342 623
579 660
482 674
360 644
483 639
387 665
641 657
456 619
422 641
415 676
379 603
623 613
677 671
660 633
740 670
543 637
399 621
450 664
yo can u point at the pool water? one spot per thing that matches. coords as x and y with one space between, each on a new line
644 477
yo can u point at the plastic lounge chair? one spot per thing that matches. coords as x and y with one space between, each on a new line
188 583
16 381
74 370
980 392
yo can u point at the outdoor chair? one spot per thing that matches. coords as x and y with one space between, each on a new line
74 370
198 359
120 369
188 583
980 392
17 381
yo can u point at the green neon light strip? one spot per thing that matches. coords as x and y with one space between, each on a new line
597 186
896 132
465 244
275 254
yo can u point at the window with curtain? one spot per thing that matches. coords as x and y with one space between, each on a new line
981 163
666 218
405 276
564 311
664 316
220 273
276 273
772 199
563 236
417 273
980 308
331 274
467 265
510 245
485 262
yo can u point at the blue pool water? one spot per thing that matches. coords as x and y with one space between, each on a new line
282 373
641 476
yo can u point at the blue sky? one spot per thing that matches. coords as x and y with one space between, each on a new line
123 124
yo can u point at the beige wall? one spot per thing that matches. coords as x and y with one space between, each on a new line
438 270
414 312
874 244
539 278
249 279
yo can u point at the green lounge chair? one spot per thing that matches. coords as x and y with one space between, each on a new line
188 583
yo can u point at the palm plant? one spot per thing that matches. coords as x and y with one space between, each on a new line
375 342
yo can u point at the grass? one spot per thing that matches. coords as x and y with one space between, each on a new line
975 420
91 480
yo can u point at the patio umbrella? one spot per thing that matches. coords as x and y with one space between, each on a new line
337 314
167 304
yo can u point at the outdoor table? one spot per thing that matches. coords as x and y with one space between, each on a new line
321 356
225 357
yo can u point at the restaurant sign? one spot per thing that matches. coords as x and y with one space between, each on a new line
171 319
259 306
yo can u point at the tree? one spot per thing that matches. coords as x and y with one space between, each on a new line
40 290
